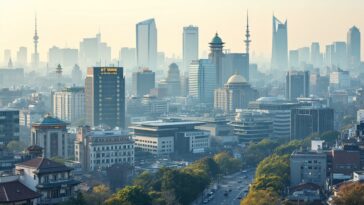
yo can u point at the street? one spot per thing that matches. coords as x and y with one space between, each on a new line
231 189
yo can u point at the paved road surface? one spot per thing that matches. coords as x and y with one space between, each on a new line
238 183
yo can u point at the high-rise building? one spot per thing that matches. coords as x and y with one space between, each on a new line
35 55
127 57
297 84
329 55
51 134
143 81
69 104
338 54
202 80
190 46
216 55
354 46
236 94
173 80
304 55
316 58
340 79
146 44
307 120
7 56
279 45
293 59
94 52
235 63
9 125
105 96
22 57
77 75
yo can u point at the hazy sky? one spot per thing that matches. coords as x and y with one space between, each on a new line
66 22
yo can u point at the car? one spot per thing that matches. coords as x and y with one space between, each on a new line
205 201
239 197
226 193
240 181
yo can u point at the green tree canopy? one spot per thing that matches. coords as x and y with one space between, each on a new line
129 195
261 197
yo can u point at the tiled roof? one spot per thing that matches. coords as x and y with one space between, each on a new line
49 120
15 191
45 165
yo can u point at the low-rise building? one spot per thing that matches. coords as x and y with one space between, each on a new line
52 180
162 138
308 167
97 150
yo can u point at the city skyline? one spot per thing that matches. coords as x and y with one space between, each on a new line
116 21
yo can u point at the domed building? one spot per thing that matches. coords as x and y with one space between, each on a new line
236 94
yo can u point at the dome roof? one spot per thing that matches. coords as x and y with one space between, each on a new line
234 79
216 40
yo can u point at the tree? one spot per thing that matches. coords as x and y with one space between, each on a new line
118 175
16 146
350 194
261 197
255 152
77 200
130 195
98 195
274 165
271 182
288 148
227 163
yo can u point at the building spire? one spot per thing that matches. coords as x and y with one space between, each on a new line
247 34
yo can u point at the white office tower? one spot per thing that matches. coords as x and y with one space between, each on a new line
190 46
69 104
202 80
146 44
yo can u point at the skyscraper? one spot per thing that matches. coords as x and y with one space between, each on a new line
105 96
297 84
94 52
202 80
22 57
216 55
339 56
35 55
279 45
190 46
7 56
146 44
127 57
315 54
143 82
353 46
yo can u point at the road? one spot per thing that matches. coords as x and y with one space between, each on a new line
238 183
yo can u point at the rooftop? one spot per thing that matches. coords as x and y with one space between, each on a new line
49 120
161 123
235 79
15 191
216 40
44 165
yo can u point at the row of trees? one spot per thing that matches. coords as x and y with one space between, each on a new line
165 187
